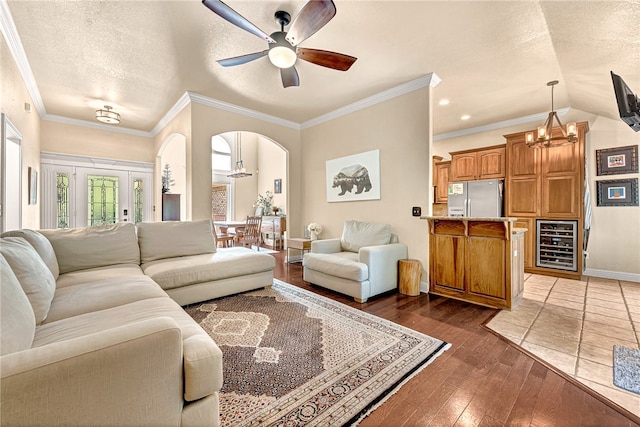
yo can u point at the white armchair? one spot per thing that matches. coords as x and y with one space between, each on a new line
361 264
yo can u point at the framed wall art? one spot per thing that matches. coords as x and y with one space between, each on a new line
33 186
277 186
618 160
618 192
355 177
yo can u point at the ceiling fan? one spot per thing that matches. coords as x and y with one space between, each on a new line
283 45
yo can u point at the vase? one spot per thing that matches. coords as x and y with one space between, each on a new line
313 235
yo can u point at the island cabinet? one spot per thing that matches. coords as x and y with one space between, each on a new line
479 260
484 163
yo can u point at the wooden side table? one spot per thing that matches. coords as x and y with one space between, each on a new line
410 273
297 243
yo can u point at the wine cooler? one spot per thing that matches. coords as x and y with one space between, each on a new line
557 244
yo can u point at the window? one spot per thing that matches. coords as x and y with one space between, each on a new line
220 154
62 200
138 200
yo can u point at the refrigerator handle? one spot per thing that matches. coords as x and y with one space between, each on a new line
467 206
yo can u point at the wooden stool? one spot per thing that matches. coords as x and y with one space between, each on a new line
410 273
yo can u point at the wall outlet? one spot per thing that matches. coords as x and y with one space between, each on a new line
416 211
586 255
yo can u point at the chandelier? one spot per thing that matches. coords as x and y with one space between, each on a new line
107 116
544 137
240 171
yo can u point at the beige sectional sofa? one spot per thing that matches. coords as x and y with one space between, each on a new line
91 332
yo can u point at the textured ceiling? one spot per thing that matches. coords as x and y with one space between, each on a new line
494 57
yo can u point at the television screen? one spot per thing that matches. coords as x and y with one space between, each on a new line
628 104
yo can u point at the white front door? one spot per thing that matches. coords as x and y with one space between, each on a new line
103 196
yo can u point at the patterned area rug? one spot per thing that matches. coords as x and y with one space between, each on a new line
626 368
292 357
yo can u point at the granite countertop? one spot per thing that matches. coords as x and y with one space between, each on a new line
460 218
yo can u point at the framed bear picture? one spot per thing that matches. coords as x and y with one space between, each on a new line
353 178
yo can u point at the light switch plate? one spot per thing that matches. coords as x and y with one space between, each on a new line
416 211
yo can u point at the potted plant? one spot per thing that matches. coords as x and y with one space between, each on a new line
265 202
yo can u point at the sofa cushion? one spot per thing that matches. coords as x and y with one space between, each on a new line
41 244
225 263
159 240
356 235
18 323
118 271
90 247
101 294
32 273
341 264
199 363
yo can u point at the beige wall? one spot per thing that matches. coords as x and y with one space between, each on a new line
179 126
84 141
614 244
273 165
399 129
13 96
206 122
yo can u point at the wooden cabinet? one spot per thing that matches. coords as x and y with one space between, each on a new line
476 260
272 229
545 183
485 163
441 181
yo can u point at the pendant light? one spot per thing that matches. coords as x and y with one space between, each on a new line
240 171
544 137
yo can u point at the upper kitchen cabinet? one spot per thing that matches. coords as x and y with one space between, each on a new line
484 163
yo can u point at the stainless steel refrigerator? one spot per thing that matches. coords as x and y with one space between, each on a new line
480 199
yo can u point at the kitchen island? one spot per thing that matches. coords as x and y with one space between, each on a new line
479 260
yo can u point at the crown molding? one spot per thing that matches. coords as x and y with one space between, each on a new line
214 103
182 102
538 117
10 33
430 79
97 126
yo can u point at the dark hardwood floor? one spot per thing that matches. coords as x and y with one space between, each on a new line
482 380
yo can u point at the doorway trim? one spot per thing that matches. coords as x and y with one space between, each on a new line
10 133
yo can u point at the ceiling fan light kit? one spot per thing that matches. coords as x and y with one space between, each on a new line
544 134
283 49
107 116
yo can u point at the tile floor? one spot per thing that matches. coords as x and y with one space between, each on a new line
573 325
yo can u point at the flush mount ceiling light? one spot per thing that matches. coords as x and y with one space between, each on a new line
240 171
544 137
107 116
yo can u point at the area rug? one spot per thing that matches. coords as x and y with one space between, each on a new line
292 357
626 368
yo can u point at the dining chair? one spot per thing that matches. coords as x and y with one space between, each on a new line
251 234
223 236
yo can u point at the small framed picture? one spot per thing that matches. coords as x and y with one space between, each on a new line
618 160
277 186
618 192
33 186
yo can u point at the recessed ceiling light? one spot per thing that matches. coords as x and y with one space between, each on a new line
465 117
444 101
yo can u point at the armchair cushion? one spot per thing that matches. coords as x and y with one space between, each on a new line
33 274
17 321
356 235
342 264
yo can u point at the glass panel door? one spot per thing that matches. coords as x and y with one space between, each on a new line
103 196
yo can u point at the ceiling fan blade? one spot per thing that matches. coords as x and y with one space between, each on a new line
289 77
236 19
313 16
325 58
239 60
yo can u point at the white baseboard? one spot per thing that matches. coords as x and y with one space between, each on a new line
424 287
615 275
